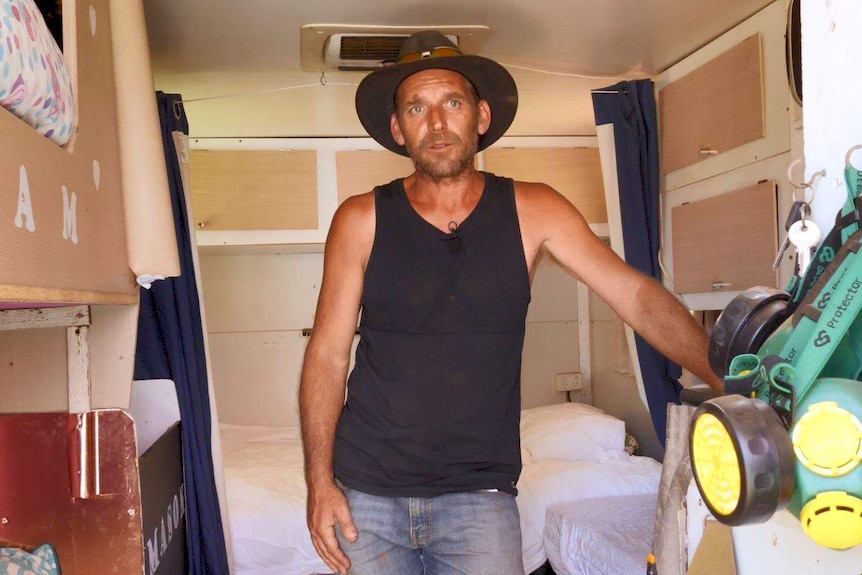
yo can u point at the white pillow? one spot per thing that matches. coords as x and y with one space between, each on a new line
571 432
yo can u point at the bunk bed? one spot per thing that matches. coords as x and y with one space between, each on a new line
85 218
571 453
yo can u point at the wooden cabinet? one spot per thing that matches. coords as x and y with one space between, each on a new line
727 105
725 129
360 170
727 242
713 109
278 195
574 172
254 190
720 235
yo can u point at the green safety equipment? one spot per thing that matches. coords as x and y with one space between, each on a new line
788 431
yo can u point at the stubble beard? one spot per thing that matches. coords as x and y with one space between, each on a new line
438 166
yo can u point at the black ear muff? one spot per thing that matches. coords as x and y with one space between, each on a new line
745 324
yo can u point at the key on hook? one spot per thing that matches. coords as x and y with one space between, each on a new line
804 235
798 211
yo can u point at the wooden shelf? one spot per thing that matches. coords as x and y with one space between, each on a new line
39 296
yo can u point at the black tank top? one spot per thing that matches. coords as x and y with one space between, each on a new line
433 403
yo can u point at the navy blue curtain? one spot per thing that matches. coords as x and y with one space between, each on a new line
630 108
171 346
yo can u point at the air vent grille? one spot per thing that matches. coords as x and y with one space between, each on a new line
361 48
382 48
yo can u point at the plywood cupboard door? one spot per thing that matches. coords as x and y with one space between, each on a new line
713 109
726 242
254 190
574 172
359 171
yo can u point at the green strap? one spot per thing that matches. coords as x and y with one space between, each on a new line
853 179
823 317
836 306
846 224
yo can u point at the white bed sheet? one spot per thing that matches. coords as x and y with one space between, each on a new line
266 496
266 501
544 484
603 536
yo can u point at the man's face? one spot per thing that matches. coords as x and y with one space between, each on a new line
439 119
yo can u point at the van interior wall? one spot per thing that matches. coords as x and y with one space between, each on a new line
258 304
615 387
33 370
34 366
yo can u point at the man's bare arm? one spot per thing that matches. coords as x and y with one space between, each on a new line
550 221
324 373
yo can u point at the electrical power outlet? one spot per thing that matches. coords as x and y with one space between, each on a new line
567 382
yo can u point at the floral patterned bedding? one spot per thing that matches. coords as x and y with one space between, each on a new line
35 84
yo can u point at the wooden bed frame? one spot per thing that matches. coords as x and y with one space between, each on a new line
80 227
80 224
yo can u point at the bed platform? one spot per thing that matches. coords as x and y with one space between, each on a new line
266 488
85 219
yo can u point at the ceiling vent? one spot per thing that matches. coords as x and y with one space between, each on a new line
362 48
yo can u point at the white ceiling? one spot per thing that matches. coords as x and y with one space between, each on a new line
557 50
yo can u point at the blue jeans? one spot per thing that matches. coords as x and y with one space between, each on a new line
471 533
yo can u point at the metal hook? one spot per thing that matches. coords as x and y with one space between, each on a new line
177 110
807 185
322 78
849 153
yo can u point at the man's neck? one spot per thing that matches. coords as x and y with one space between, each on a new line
429 189
441 200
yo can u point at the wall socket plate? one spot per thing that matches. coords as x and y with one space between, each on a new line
568 382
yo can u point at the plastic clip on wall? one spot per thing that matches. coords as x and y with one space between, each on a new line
789 432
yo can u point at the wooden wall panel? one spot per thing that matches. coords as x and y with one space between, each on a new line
261 292
33 370
574 172
360 170
719 106
256 376
254 190
729 240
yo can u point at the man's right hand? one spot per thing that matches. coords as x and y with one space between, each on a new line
327 507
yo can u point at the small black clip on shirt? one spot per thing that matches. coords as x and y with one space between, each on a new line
453 238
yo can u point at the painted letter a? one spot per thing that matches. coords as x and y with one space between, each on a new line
24 215
70 220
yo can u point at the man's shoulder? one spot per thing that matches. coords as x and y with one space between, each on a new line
355 210
539 204
358 203
533 193
353 225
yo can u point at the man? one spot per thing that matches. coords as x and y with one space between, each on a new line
416 472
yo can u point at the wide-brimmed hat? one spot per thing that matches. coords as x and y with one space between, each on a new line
375 97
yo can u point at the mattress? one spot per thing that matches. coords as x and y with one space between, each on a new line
35 84
602 536
546 484
266 493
